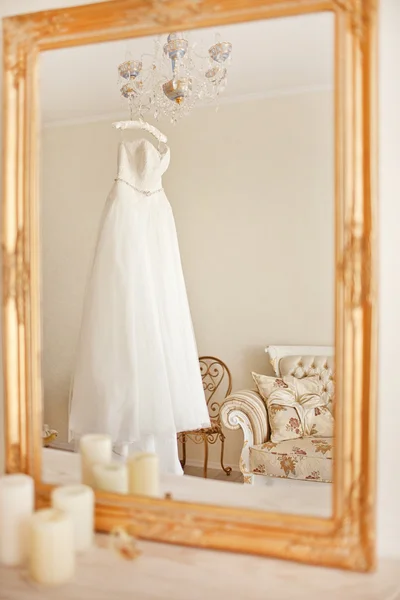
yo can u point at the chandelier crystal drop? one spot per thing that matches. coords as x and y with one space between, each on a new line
179 75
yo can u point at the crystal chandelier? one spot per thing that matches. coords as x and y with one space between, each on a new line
176 78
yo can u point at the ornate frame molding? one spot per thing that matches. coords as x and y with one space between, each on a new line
346 540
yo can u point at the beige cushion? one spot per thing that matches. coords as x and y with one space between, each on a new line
306 458
295 407
312 366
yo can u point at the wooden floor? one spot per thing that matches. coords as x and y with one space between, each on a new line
219 474
268 493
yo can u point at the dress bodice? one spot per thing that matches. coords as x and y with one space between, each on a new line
142 165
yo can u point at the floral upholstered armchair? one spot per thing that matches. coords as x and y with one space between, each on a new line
307 454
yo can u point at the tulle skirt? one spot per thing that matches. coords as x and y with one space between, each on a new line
137 370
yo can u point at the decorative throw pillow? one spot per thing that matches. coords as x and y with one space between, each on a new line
295 407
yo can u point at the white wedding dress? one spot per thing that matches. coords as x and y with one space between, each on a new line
137 374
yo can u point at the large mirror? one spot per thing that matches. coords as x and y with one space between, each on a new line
248 171
205 324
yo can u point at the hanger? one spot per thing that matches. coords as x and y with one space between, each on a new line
141 125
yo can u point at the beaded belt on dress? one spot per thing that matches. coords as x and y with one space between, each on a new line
144 192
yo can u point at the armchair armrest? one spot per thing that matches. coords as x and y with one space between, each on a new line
246 410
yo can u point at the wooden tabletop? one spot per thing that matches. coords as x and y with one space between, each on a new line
166 572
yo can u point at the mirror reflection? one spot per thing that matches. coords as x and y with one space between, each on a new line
187 228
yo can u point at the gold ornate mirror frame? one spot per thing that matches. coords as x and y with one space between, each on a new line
347 539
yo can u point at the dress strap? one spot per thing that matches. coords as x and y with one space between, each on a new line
144 192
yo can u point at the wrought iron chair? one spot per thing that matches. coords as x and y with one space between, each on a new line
217 384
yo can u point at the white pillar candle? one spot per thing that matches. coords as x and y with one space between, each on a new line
78 501
52 552
94 449
143 474
111 478
17 500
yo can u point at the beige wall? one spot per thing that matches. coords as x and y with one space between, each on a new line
389 269
252 192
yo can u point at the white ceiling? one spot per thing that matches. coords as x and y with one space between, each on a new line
270 57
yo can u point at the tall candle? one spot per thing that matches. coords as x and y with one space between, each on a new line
78 501
52 552
112 477
94 449
16 506
143 474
